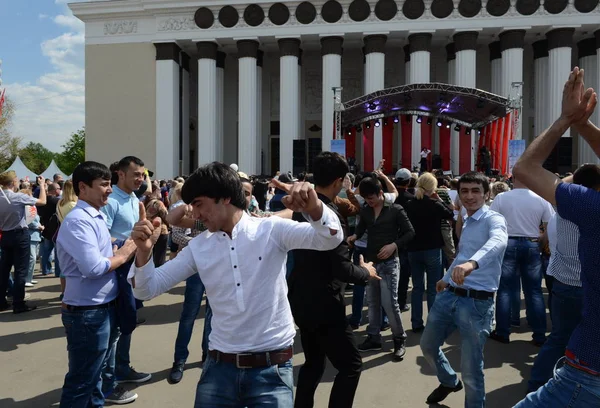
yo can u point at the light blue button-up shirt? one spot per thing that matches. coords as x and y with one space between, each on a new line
122 212
83 247
483 239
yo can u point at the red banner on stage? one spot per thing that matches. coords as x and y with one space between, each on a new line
508 130
406 127
388 146
496 135
351 144
464 152
445 147
368 148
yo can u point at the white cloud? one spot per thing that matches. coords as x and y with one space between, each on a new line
49 108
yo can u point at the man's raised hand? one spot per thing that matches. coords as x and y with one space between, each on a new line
301 197
146 233
578 104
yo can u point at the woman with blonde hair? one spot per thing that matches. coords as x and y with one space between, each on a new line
426 212
67 202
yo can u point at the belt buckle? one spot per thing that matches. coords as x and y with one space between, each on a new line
237 360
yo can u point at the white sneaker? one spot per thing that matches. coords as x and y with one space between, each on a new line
34 282
28 285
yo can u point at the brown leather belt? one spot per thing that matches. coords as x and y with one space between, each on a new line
253 360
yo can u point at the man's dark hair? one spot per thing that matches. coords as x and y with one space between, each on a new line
217 181
245 180
370 186
402 183
87 172
127 160
588 175
56 176
328 167
475 178
412 182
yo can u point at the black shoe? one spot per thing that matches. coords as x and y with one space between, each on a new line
176 373
354 326
134 377
385 327
23 308
399 350
405 308
5 306
441 392
418 329
140 320
370 344
121 396
495 336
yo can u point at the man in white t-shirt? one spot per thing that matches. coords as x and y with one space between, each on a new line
524 211
424 162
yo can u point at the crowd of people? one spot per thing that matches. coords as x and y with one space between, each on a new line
276 259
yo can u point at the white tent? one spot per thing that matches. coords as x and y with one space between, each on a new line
52 170
22 171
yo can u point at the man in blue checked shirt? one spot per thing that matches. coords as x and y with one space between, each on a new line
576 381
465 299
85 251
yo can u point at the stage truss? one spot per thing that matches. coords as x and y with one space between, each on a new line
468 107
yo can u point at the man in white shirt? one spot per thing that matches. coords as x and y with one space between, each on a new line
241 260
424 159
524 211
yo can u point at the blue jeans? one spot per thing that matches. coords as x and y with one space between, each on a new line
15 253
567 306
473 319
570 387
224 385
424 262
384 294
91 340
32 260
194 290
522 257
47 252
358 296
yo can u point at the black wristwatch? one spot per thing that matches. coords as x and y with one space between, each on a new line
475 264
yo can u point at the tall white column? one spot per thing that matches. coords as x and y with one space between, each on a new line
511 45
184 168
259 104
167 110
540 69
331 51
207 103
220 117
560 44
465 45
419 73
589 63
289 91
248 142
496 68
375 81
454 135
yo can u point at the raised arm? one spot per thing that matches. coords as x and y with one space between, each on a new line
591 134
177 217
577 106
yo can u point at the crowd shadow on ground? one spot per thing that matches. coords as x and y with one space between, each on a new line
47 399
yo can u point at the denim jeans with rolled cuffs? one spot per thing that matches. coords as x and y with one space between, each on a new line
473 319
522 258
223 384
384 294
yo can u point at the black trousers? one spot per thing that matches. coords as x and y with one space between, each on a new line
15 253
404 280
336 342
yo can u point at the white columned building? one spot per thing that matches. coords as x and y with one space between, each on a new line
420 70
248 141
560 48
331 52
540 68
374 81
588 61
289 112
511 46
454 135
220 116
465 47
167 109
208 142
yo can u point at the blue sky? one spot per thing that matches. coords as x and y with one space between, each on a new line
42 49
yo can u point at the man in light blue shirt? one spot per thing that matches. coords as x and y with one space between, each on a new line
88 310
465 299
122 212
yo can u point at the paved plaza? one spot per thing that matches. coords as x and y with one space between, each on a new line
33 358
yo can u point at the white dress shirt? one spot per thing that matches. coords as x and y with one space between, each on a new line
244 278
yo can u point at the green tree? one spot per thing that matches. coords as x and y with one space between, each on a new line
36 157
73 153
9 144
